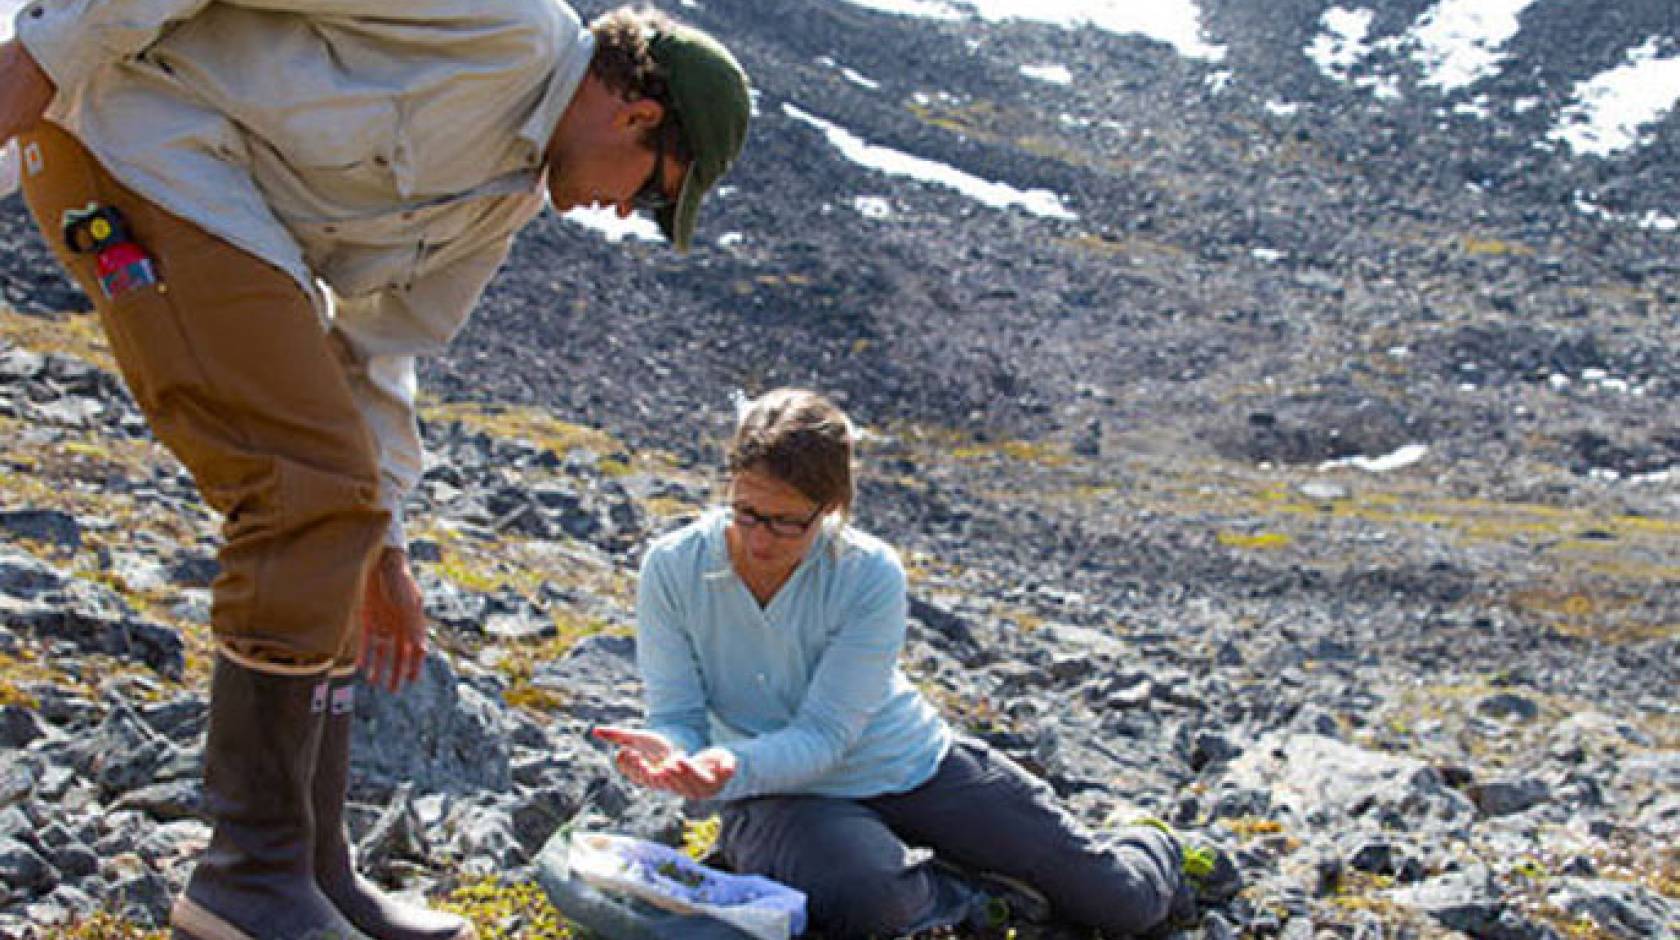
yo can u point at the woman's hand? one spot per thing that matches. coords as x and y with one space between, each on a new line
25 90
393 623
648 759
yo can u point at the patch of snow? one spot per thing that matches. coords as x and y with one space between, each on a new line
1459 41
926 9
1267 255
1175 22
1610 108
730 239
1652 220
857 78
1039 202
606 223
1381 87
1477 107
872 207
1342 44
1283 108
1404 457
1054 74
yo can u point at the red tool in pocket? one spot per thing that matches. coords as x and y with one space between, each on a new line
121 264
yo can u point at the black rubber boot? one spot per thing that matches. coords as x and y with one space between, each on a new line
368 908
256 881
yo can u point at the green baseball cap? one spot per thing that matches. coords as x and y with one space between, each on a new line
708 89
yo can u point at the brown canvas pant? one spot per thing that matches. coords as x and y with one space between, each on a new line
235 372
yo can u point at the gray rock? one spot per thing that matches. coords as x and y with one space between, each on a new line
48 526
1136 695
172 800
75 860
1211 747
525 624
1508 705
121 833
1661 818
26 577
1617 907
597 678
395 834
95 620
1380 856
143 898
438 733
19 364
23 869
1509 796
66 904
181 719
16 824
172 841
122 753
486 836
1321 779
194 570
19 726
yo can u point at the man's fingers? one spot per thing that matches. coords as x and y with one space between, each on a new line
416 659
364 653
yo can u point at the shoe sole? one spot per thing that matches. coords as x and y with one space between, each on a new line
188 921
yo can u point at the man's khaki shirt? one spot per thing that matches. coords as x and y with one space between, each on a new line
381 153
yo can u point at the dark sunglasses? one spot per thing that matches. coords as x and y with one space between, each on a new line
651 197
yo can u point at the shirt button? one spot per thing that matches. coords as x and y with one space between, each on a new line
761 678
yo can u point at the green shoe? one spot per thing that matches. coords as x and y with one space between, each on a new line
1207 869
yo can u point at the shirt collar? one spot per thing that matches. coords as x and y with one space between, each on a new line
562 86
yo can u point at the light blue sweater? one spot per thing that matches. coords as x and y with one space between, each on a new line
805 692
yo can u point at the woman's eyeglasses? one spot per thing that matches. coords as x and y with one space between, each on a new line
785 527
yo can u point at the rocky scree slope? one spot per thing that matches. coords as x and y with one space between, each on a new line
1432 698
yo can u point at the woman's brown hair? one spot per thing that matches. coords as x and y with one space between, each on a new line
800 438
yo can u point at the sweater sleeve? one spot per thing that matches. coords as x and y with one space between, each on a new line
384 333
851 681
672 685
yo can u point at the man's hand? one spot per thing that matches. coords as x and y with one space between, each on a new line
648 759
25 90
393 623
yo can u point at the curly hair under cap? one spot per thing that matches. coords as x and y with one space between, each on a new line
800 438
624 62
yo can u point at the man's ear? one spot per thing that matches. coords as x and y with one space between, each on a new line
641 114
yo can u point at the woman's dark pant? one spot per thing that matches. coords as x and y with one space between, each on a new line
856 860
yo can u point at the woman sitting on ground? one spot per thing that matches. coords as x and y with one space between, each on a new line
768 637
